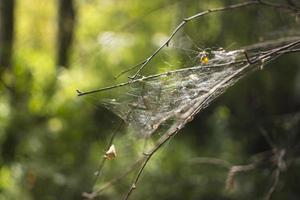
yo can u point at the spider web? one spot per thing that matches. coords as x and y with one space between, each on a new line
164 103
157 102
151 103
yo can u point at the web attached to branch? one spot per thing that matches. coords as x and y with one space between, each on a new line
164 103
157 101
152 102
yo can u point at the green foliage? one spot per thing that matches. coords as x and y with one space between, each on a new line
52 141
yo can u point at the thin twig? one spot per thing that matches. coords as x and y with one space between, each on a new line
276 174
127 171
250 60
148 155
184 22
247 57
131 68
213 10
101 165
81 93
280 6
176 128
196 108
269 44
210 160
234 170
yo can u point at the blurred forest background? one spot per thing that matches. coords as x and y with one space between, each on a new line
52 141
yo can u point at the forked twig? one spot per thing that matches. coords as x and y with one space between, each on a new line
234 170
250 60
198 106
81 93
101 165
127 171
131 68
175 129
143 63
183 23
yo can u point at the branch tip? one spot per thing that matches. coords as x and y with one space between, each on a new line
79 93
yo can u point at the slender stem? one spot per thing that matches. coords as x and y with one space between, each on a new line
282 50
198 106
124 173
276 175
162 141
184 22
101 165
221 9
280 6
80 93
128 70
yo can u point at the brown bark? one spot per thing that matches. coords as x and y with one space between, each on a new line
6 32
66 23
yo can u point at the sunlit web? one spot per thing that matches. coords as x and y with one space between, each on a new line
149 103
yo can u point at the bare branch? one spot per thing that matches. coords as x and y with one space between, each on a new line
184 22
198 106
187 112
269 44
275 176
127 171
250 59
209 11
213 161
280 6
233 171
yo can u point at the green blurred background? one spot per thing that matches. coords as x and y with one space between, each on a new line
52 141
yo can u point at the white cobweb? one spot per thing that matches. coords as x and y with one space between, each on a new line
163 103
152 103
149 103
